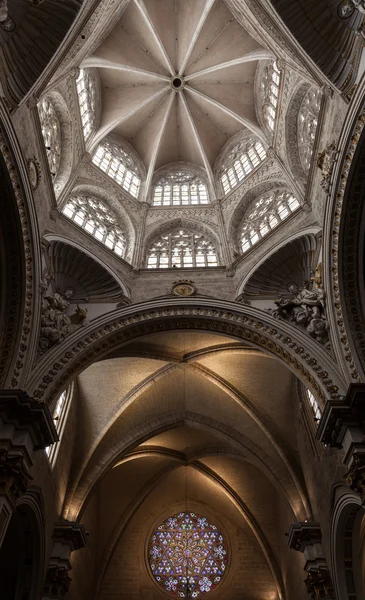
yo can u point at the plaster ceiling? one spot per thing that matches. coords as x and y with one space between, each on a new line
177 81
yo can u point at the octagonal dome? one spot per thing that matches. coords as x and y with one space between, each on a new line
177 81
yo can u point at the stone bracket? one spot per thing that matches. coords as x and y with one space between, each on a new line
341 415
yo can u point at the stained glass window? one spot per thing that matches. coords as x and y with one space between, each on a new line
241 160
270 87
119 165
97 219
182 249
187 555
307 125
87 98
180 188
51 132
264 214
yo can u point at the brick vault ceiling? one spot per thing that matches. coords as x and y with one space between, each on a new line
177 81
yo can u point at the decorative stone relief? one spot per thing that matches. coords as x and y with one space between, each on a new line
325 162
305 308
319 585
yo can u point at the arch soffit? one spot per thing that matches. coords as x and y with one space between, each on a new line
124 219
53 237
303 356
233 497
251 195
237 396
291 130
314 230
67 147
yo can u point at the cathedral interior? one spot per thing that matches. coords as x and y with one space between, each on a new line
182 299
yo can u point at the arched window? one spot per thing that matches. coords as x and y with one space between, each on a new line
314 405
119 165
241 160
97 219
59 419
179 188
51 132
87 96
270 87
264 214
183 249
307 125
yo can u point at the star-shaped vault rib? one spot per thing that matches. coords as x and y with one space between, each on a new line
197 40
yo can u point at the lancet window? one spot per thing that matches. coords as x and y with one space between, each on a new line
314 405
51 132
264 215
87 99
182 249
59 419
307 125
118 165
180 188
96 218
242 159
270 86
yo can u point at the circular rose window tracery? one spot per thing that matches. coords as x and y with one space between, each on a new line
187 555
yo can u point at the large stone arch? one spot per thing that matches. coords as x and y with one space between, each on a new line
307 359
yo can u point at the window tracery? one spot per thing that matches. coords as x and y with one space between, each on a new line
180 188
119 165
270 88
307 125
241 160
264 214
97 219
187 555
86 93
182 249
59 419
314 405
51 132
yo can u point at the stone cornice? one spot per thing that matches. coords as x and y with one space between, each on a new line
341 414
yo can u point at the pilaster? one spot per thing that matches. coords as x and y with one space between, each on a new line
26 426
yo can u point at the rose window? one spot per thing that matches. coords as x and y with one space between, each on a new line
187 555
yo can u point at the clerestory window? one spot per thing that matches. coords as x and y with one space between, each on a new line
98 220
87 99
270 87
51 132
314 405
307 125
180 188
242 159
182 249
264 215
118 165
59 419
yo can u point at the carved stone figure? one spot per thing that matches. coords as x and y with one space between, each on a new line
319 585
325 162
305 308
355 478
56 324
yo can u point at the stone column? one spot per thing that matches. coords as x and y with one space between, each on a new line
343 426
306 537
26 426
68 536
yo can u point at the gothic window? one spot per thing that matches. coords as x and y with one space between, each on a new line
314 405
51 132
59 419
87 96
264 214
187 555
182 249
119 165
96 218
241 160
307 125
180 188
270 87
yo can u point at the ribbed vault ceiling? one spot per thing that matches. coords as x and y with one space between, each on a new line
177 81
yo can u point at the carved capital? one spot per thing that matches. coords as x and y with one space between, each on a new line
341 415
70 534
303 534
319 584
31 417
57 582
14 477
